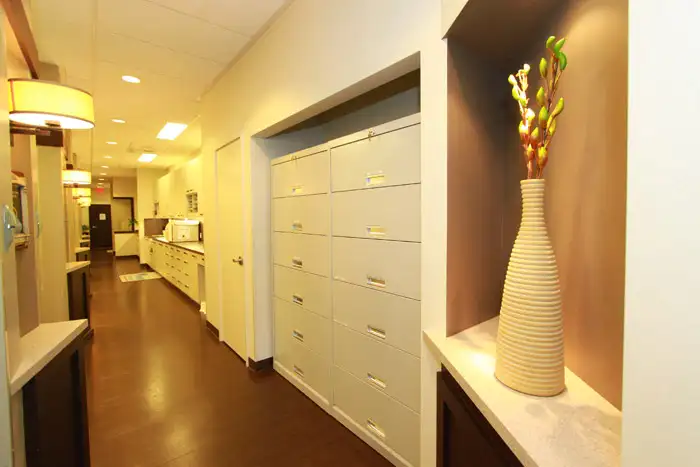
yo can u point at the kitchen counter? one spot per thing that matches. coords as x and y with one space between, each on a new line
82 249
75 265
577 428
194 247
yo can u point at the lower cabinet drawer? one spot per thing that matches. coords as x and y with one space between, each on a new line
308 253
309 329
389 370
393 267
308 290
306 365
378 315
382 417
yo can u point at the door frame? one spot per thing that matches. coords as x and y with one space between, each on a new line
219 260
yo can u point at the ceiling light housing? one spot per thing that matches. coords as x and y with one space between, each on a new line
46 104
118 120
73 177
108 157
171 130
147 157
131 79
104 166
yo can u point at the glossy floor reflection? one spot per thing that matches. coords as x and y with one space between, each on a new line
163 392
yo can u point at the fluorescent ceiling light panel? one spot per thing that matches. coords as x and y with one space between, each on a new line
171 130
105 167
118 120
111 142
131 79
103 173
147 157
108 157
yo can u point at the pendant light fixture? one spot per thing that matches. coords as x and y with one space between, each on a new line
74 177
81 192
45 104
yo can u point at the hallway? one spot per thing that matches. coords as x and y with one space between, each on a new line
162 391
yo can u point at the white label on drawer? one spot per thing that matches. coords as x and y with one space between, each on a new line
298 335
298 299
376 332
297 262
374 179
376 381
297 189
376 231
376 282
374 429
297 226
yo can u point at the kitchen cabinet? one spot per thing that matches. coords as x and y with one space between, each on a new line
172 190
181 267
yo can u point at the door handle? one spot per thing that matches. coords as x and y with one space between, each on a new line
239 261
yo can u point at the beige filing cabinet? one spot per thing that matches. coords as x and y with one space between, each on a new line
346 252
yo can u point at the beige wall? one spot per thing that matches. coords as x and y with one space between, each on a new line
146 180
586 182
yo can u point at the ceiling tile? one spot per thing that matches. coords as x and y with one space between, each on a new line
150 22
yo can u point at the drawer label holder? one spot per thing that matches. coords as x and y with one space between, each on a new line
297 189
376 332
374 381
376 281
298 371
374 429
297 226
298 299
298 335
374 178
376 231
297 262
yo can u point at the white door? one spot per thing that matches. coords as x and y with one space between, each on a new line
230 215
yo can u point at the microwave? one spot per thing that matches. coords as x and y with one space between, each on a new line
181 230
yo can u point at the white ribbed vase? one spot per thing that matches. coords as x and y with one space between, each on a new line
530 342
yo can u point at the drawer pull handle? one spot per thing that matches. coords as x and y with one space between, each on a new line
376 281
297 263
298 299
297 189
297 226
376 381
376 231
374 429
298 335
374 179
298 371
187 262
187 275
376 332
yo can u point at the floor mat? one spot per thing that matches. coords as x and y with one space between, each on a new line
140 276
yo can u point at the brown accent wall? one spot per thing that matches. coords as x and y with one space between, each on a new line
586 188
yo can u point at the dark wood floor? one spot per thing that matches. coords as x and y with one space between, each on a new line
162 391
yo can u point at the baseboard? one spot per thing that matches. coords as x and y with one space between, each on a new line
261 365
212 329
386 452
126 256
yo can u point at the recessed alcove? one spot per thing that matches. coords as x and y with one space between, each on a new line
586 174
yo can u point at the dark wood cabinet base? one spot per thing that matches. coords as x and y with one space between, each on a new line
465 437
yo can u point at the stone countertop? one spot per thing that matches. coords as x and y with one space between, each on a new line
75 265
82 249
41 345
195 247
577 428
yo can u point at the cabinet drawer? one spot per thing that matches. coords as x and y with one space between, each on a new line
303 252
306 214
306 365
308 290
309 329
384 213
385 160
389 370
382 417
378 315
303 176
393 267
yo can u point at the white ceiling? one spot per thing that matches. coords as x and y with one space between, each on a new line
176 47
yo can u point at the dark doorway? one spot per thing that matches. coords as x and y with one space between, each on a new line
101 226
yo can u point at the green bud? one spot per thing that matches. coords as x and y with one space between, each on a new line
535 135
560 43
516 93
550 42
543 117
563 61
551 126
543 68
558 108
541 155
540 96
512 80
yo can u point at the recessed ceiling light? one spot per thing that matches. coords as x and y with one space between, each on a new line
101 179
118 120
103 173
105 167
147 157
108 157
112 142
131 79
171 130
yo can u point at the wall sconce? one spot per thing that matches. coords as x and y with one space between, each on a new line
81 193
46 104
